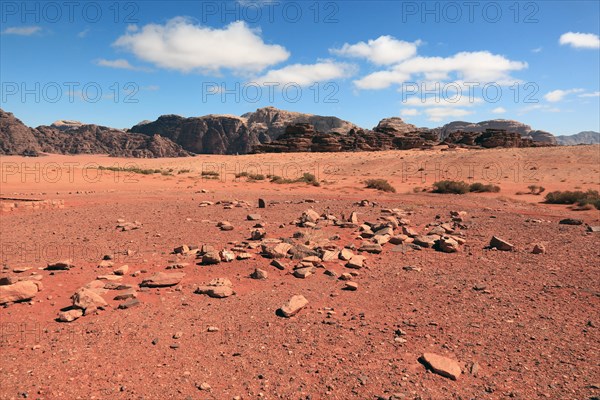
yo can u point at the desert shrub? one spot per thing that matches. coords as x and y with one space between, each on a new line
454 187
535 189
575 197
380 184
135 170
307 178
184 171
478 187
256 177
209 173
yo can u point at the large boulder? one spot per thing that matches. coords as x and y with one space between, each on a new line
19 291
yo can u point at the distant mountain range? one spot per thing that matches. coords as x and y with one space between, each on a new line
266 129
585 137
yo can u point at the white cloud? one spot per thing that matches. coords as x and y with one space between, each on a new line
593 94
429 101
186 47
437 114
307 74
557 95
499 110
539 107
409 112
83 33
119 64
481 66
384 50
537 50
580 40
22 30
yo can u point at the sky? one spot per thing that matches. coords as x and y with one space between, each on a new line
118 63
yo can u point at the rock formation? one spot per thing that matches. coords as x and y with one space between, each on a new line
499 124
15 137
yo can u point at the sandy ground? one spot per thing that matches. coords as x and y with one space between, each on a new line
530 322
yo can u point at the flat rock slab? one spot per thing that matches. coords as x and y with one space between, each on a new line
501 244
129 303
19 291
293 305
62 265
163 279
441 365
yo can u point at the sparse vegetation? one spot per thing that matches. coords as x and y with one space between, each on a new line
453 187
184 171
535 189
307 178
577 197
478 187
380 184
210 174
460 187
251 177
137 170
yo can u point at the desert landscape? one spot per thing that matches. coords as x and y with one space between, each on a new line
299 200
142 249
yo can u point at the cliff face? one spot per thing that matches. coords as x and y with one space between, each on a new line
15 137
70 137
585 137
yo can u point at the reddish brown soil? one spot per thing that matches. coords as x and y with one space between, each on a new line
534 331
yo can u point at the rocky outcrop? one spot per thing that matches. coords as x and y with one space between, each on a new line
94 139
15 137
228 134
585 137
72 137
498 124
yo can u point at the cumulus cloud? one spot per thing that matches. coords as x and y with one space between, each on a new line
184 46
437 114
22 30
307 74
593 94
580 40
480 66
384 50
430 101
409 112
119 64
499 110
558 95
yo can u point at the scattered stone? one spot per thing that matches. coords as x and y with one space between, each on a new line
427 241
262 203
356 262
570 221
183 249
203 386
212 329
122 270
593 228
293 306
279 250
20 270
310 216
346 276
126 295
447 245
70 315
244 256
258 234
352 286
411 268
279 265
210 258
501 244
539 248
19 291
163 279
259 274
371 247
217 288
88 300
346 254
253 217
441 365
225 226
128 304
111 278
226 256
62 265
303 273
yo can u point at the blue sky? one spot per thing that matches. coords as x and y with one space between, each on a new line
116 64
